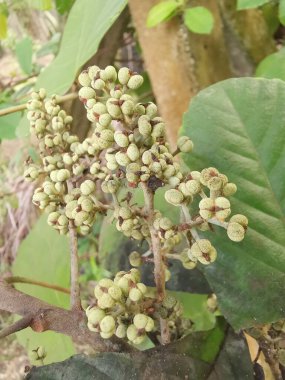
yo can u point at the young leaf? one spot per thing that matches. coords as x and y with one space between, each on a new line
272 66
87 23
24 53
161 12
44 256
247 4
199 20
237 126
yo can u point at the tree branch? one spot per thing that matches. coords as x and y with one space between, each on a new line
75 302
24 280
48 317
159 268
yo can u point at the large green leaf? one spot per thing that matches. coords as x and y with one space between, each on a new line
24 53
86 25
238 126
44 256
8 124
219 354
272 66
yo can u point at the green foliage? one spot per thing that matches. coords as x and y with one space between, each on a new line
24 53
238 126
44 256
79 43
162 12
215 355
247 4
199 20
3 20
8 123
272 66
63 6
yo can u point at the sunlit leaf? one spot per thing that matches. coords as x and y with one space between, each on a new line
199 20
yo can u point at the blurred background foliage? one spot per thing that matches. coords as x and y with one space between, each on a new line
180 47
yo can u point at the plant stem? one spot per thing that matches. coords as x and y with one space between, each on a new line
24 280
75 303
22 107
159 268
188 219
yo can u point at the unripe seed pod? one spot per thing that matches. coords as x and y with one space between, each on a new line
110 73
207 206
84 79
87 187
188 264
114 110
241 219
107 324
184 144
106 301
174 197
80 218
95 315
115 292
132 332
133 152
193 186
229 189
223 204
86 93
62 220
121 139
92 71
151 110
105 119
144 125
128 107
99 108
53 218
62 175
158 130
86 204
135 295
135 259
235 231
207 174
124 75
121 331
122 159
98 84
140 321
135 82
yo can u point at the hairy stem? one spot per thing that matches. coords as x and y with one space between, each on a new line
24 280
22 107
159 268
75 303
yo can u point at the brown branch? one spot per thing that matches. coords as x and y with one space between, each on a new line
24 280
48 317
75 302
22 107
159 268
17 326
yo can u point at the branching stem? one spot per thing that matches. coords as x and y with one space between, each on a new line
75 303
24 280
159 268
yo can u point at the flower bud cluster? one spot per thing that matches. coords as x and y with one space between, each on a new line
120 308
